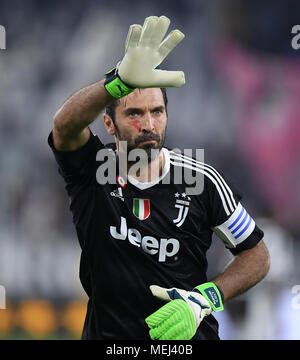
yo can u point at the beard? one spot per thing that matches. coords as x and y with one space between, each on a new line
150 150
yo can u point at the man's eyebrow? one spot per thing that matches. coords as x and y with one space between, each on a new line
160 107
132 109
140 110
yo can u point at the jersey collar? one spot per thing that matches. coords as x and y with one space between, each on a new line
147 185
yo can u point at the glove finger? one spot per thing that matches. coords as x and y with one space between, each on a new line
159 316
174 328
133 36
172 40
174 320
148 30
160 292
156 333
177 332
153 320
183 315
166 312
164 78
160 30
165 329
165 318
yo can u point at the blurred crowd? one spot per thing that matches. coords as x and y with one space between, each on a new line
240 104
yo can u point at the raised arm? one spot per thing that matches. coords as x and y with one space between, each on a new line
70 130
145 50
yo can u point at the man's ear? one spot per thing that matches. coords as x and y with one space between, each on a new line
109 124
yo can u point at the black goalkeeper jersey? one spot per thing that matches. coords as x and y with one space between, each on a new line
134 235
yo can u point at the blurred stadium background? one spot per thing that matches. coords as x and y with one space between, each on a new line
240 103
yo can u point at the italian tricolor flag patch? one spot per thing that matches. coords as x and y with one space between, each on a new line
141 208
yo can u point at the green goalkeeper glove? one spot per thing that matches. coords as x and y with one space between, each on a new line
144 52
180 317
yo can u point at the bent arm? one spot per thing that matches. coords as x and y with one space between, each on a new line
71 121
247 269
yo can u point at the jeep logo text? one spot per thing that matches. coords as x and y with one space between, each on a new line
150 245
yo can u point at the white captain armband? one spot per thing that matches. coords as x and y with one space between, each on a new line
236 229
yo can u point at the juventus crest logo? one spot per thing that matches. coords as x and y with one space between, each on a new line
183 207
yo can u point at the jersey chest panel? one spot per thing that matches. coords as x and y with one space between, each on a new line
159 221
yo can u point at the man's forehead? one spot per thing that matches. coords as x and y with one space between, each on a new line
143 97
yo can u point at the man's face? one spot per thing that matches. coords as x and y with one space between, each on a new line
141 120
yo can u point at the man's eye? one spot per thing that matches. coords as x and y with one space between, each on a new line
133 114
157 112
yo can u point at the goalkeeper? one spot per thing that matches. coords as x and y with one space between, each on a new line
144 240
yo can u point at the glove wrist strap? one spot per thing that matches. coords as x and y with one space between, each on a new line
115 86
212 294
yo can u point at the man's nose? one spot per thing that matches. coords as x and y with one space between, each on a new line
147 123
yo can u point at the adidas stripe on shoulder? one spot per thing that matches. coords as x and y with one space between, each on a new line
225 193
240 224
